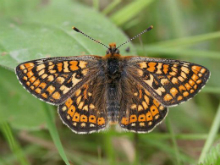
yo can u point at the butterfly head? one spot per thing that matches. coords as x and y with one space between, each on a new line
112 50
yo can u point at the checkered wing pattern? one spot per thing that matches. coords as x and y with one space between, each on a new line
55 79
169 81
85 112
140 112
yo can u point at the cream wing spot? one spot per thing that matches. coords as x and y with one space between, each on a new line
44 76
174 80
22 67
86 108
78 100
64 108
64 89
40 67
160 90
85 71
140 72
60 80
185 69
143 65
82 64
164 81
133 106
41 72
203 70
140 108
183 75
150 81
74 79
159 67
25 71
78 92
91 106
80 105
65 67
50 78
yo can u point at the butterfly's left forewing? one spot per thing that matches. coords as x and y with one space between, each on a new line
169 81
55 79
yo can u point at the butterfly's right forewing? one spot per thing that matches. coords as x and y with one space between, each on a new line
85 111
55 79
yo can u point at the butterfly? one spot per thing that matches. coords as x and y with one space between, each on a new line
93 92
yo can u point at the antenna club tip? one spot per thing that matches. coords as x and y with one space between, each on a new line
74 28
151 26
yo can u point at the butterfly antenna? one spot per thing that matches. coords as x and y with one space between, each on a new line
79 31
148 29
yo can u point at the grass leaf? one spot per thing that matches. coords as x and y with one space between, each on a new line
178 52
111 6
13 144
129 11
53 132
175 146
212 157
188 41
212 134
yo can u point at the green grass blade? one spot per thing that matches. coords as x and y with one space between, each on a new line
178 52
212 134
3 162
174 12
129 11
53 132
131 24
96 4
188 41
214 90
163 146
111 6
173 138
13 144
109 149
213 156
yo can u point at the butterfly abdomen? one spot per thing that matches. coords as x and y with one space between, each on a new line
113 76
113 104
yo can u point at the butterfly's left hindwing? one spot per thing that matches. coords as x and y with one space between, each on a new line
85 112
55 79
140 112
169 81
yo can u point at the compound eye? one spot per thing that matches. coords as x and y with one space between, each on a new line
108 51
117 51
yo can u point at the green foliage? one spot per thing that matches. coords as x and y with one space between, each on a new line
129 11
19 108
13 144
185 30
213 157
41 29
212 134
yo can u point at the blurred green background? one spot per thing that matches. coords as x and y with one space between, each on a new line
31 132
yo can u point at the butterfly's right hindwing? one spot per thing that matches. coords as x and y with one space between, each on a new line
85 112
